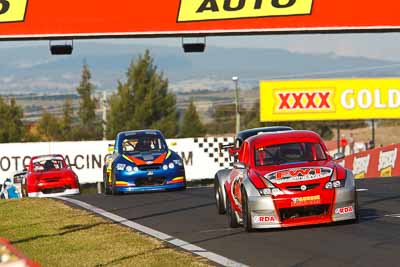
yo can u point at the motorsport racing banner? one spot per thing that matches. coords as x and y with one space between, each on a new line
48 19
321 100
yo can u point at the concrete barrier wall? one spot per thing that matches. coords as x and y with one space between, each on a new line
379 162
201 156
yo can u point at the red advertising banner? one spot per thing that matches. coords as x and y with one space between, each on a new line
35 19
379 162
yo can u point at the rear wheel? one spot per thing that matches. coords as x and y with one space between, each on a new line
246 212
232 219
219 198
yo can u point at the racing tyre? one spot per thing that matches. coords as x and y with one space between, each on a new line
247 223
232 219
106 189
114 191
219 198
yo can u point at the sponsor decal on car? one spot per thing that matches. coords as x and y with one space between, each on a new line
360 166
298 175
344 210
264 219
12 10
204 10
387 162
308 200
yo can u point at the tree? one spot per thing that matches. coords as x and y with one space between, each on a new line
49 127
90 127
224 119
67 133
192 126
143 101
12 128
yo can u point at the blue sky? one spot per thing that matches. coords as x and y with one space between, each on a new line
376 45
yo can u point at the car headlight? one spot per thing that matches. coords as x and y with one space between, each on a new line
270 192
129 169
171 165
335 184
165 167
178 162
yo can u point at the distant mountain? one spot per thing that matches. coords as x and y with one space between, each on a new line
33 70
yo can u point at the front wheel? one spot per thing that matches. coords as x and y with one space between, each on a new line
106 188
247 223
114 191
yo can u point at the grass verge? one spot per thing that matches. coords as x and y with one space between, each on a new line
55 234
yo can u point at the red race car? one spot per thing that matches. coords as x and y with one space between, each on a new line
287 179
49 176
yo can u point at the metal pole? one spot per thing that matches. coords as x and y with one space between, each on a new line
373 133
104 115
338 136
236 80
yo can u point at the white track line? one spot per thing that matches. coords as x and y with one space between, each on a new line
159 235
362 190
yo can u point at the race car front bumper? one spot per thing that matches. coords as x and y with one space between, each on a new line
267 212
128 189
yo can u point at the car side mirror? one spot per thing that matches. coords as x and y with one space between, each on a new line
239 165
173 144
338 156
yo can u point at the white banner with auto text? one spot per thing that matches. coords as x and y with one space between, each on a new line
202 156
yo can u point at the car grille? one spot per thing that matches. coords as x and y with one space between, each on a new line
298 187
150 181
53 190
301 212
150 167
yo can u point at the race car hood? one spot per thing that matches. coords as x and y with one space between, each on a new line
147 158
301 173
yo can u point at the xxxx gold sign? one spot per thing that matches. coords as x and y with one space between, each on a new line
204 10
12 10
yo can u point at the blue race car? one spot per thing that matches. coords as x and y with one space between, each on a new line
141 161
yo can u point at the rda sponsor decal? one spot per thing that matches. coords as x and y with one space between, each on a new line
12 10
344 210
387 162
204 10
298 175
309 200
312 100
264 219
360 166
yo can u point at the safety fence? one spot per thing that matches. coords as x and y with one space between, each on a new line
201 156
378 162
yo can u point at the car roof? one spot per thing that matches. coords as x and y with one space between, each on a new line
243 135
139 132
281 137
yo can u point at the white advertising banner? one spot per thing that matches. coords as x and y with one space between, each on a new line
202 156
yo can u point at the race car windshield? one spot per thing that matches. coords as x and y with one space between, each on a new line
48 164
289 154
142 143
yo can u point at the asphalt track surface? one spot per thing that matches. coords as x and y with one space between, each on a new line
191 216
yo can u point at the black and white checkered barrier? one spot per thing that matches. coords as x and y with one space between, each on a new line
212 147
